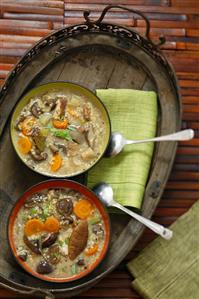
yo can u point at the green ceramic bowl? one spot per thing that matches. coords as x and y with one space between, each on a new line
74 89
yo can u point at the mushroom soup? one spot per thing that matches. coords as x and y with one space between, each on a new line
58 233
60 133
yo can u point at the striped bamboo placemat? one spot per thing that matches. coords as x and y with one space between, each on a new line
24 22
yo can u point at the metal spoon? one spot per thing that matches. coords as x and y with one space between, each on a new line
105 194
117 140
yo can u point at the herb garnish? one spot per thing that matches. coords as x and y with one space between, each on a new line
60 242
45 213
66 241
33 211
65 134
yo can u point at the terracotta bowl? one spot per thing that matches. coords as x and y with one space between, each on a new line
59 184
74 89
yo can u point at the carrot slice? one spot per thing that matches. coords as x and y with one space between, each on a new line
92 250
33 226
51 224
56 162
60 124
25 145
27 125
83 208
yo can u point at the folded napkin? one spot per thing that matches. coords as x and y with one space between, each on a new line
134 114
170 269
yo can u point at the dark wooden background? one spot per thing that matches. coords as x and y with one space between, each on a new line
24 22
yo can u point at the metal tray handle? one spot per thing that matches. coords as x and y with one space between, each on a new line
107 8
38 291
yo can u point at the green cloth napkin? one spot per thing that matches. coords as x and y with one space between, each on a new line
134 114
170 269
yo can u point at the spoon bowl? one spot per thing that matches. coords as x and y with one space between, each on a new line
105 193
116 144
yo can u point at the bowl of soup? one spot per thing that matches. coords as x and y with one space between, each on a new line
59 231
60 129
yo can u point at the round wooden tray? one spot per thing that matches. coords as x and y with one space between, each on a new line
95 55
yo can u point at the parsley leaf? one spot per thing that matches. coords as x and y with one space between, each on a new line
65 134
60 242
45 213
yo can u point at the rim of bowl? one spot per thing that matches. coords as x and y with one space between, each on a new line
107 124
59 184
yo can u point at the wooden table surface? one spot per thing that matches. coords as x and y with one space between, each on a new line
24 22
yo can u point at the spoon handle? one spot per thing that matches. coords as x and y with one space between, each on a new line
181 135
157 228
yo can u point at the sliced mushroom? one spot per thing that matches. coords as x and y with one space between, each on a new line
97 229
87 112
81 261
35 200
90 136
50 105
35 131
49 102
60 108
38 156
36 110
65 206
78 240
48 239
44 267
40 141
20 119
63 103
78 137
53 254
66 222
23 115
53 148
61 146
22 254
69 219
33 244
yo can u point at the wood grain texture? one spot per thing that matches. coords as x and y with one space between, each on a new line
23 22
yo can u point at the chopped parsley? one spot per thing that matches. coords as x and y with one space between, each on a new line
74 269
45 213
25 217
60 242
63 242
33 211
64 134
66 241
56 254
94 220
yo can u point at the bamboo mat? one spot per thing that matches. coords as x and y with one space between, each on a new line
24 22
